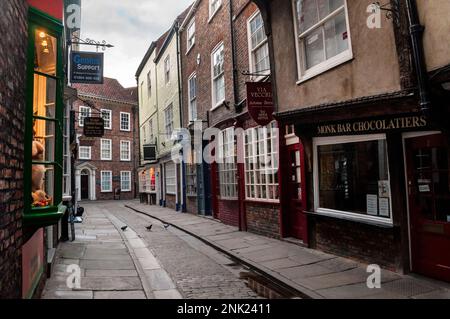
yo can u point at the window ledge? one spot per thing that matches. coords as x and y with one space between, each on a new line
229 199
326 66
219 104
43 217
357 219
214 13
262 201
190 48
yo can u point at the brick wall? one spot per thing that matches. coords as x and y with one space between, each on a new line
12 122
365 243
263 219
116 135
229 212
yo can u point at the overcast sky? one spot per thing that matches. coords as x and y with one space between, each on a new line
129 25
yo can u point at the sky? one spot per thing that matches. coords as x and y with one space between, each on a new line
129 25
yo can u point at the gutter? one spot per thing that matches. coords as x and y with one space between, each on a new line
416 32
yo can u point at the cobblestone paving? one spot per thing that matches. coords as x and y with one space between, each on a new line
199 271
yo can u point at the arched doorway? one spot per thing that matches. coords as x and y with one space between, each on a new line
84 184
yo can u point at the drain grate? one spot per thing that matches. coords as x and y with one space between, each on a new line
266 288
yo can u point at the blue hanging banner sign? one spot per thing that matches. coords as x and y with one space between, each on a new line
86 67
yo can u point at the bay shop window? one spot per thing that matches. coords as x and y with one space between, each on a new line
44 122
322 33
351 178
261 163
227 164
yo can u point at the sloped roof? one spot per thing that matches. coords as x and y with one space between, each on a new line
111 89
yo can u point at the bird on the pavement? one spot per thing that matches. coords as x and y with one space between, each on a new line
124 228
149 227
166 226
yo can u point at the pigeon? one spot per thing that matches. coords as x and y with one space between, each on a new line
149 227
166 226
124 228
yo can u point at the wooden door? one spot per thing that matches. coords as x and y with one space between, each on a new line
428 167
296 221
84 187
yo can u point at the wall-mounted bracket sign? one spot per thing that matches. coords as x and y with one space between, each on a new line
86 67
94 127
260 102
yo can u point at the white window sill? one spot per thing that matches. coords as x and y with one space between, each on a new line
219 104
122 160
171 194
326 66
108 159
228 198
105 192
84 159
189 49
125 130
125 191
214 13
262 201
258 78
366 219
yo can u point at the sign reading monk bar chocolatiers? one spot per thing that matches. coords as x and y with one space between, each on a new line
373 125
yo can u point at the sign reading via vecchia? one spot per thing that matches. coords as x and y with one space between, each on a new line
260 102
86 67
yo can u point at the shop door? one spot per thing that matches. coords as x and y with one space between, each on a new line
296 220
428 167
84 187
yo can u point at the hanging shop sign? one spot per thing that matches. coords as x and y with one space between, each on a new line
150 152
260 102
373 125
86 67
94 127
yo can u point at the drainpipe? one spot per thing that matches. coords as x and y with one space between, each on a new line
180 103
416 31
235 94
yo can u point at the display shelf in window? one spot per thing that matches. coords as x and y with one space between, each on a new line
44 122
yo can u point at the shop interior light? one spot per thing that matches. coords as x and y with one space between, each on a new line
42 34
44 43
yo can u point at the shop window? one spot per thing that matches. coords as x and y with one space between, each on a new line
191 176
261 163
66 153
227 167
352 177
44 133
322 32
171 178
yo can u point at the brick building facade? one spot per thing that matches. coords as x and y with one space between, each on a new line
12 121
107 164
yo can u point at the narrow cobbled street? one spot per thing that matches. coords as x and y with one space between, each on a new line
161 263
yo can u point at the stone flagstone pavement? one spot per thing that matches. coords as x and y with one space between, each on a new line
113 264
313 273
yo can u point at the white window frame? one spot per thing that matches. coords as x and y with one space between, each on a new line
129 121
170 180
227 165
89 148
167 69
81 118
192 99
168 125
216 103
321 141
101 149
107 127
304 75
150 129
252 51
149 83
122 173
128 158
103 190
190 35
252 157
212 12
